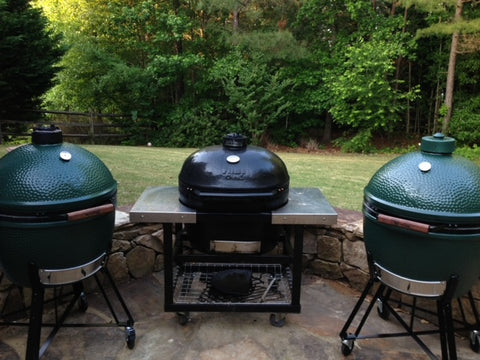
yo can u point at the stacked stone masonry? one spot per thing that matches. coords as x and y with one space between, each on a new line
333 252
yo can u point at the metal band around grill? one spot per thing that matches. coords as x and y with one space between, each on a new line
410 286
71 275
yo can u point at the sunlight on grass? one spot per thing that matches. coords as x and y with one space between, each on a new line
136 168
340 177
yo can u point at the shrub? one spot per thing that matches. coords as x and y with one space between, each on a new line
465 123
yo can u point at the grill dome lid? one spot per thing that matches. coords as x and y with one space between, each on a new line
49 176
431 184
234 177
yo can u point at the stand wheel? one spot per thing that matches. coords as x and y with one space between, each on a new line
82 302
475 340
278 320
130 337
183 318
347 346
382 310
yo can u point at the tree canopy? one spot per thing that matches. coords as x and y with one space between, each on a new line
279 71
28 54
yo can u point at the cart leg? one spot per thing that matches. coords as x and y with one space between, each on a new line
353 314
278 320
36 312
184 318
443 330
474 333
445 320
383 311
129 329
348 340
82 297
122 302
447 334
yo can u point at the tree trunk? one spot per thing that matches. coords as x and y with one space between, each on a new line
449 90
236 18
179 89
327 129
407 130
400 58
436 109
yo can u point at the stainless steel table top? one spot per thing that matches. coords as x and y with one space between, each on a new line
306 206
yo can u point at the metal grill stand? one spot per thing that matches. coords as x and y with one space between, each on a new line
275 285
440 291
35 324
276 279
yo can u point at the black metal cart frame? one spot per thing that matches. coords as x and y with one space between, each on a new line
35 350
446 324
292 259
306 206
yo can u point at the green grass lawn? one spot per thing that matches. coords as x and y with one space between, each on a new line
341 177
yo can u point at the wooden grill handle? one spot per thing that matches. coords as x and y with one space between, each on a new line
403 223
90 212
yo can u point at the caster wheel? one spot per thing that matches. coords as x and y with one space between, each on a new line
130 337
277 320
347 346
382 310
183 318
82 302
475 340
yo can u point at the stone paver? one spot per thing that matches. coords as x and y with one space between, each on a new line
312 334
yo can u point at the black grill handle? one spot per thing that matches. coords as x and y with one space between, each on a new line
403 223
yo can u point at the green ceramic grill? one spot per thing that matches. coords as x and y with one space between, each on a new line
422 218
57 210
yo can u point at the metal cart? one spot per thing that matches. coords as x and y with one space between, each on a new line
34 349
442 292
276 278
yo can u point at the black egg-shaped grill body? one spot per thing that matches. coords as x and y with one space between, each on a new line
234 178
57 210
422 216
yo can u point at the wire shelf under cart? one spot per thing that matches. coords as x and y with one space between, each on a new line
270 284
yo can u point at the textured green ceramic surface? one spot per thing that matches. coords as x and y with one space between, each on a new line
45 179
430 186
52 245
424 257
50 178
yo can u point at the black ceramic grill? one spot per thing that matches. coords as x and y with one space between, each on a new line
234 177
233 254
248 181
238 231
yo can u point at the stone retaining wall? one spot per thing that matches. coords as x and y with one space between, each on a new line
333 252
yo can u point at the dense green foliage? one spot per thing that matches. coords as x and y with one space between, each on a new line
27 56
279 71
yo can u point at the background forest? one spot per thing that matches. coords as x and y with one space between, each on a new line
286 72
